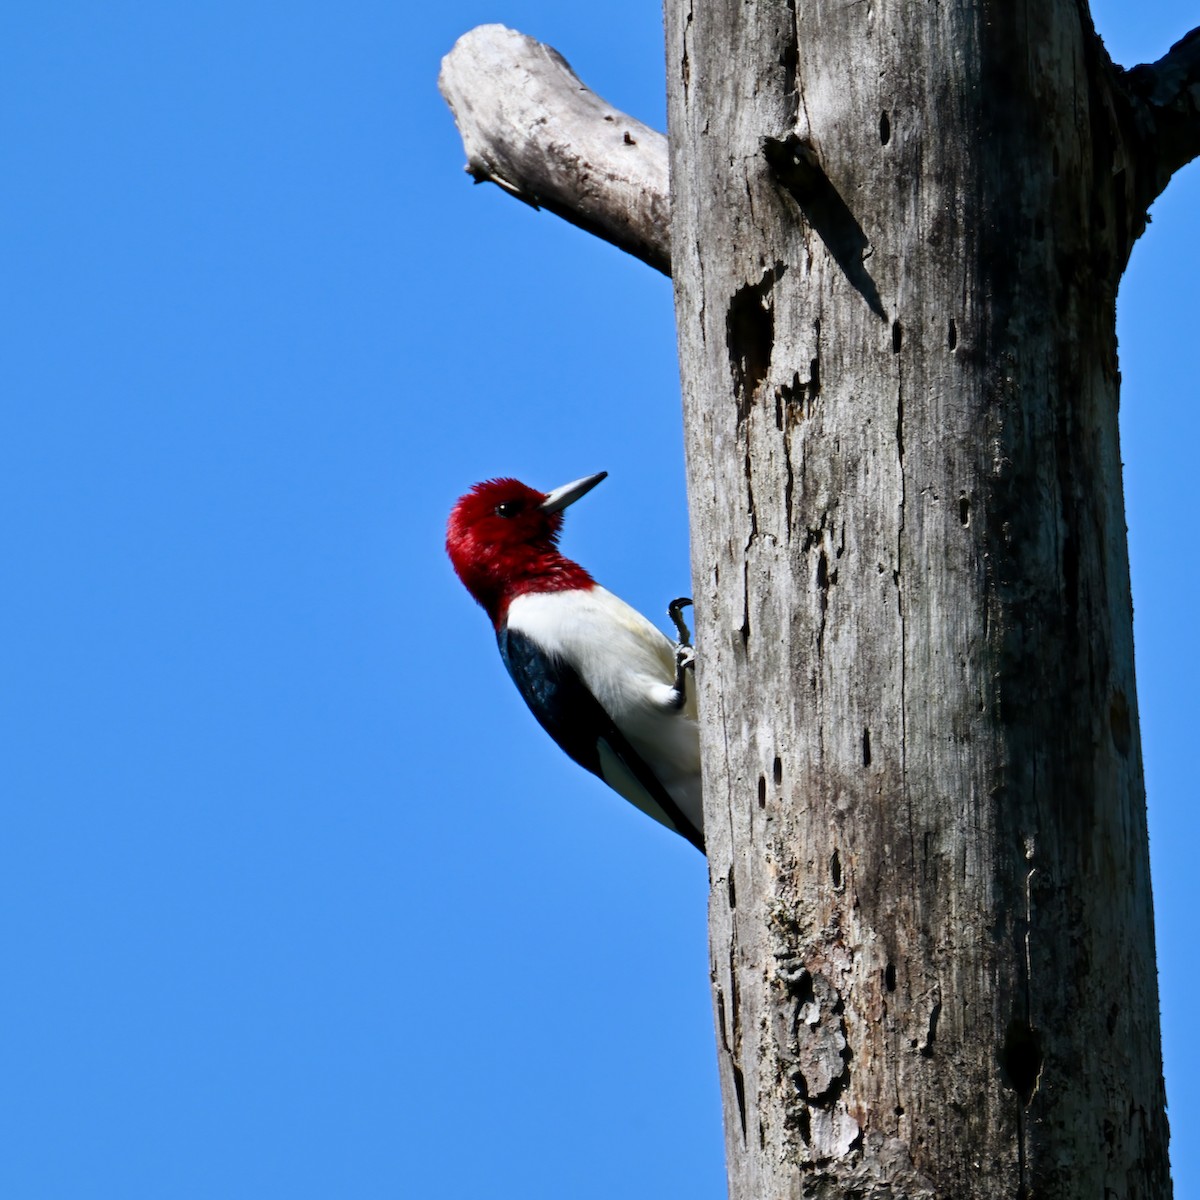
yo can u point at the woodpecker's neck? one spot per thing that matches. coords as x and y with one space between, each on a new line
497 580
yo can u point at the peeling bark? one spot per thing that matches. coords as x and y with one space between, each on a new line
529 125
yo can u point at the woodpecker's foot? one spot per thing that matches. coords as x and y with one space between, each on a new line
685 661
685 652
675 612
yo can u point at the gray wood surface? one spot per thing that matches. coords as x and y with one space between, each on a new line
529 125
898 233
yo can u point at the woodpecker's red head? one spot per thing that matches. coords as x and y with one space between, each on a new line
502 538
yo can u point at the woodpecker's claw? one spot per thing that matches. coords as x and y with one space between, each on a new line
685 652
685 661
675 612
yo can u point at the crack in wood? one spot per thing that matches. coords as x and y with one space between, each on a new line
789 58
744 629
823 584
739 1076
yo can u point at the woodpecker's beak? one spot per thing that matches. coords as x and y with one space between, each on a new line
570 492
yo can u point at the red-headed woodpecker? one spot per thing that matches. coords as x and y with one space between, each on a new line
606 685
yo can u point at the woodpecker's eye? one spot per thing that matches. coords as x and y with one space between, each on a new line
508 508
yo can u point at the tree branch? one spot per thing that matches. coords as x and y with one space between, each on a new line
528 124
1165 99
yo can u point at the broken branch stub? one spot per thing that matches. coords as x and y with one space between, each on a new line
528 124
1165 96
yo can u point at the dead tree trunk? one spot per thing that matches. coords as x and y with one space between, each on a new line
896 234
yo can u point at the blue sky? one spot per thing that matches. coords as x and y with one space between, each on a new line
294 898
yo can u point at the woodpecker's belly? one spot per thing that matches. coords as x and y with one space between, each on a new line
628 665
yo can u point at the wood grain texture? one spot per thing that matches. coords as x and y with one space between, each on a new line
897 241
529 125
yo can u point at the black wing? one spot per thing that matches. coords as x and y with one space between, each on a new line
575 719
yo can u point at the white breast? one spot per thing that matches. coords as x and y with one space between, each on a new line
629 666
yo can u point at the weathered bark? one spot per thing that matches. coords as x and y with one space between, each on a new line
529 125
898 233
